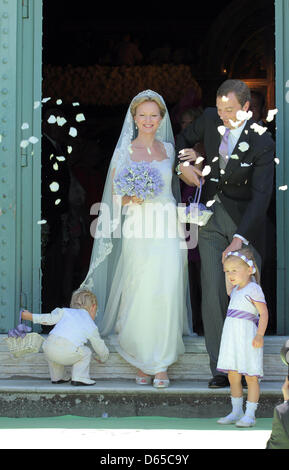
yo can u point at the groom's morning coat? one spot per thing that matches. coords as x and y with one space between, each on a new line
245 188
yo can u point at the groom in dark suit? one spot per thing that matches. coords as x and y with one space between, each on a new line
241 160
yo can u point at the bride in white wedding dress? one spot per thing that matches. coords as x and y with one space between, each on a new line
138 268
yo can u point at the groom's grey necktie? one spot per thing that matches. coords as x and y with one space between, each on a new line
223 149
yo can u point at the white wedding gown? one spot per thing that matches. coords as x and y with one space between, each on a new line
151 280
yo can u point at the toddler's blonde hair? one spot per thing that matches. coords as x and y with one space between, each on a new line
249 255
83 298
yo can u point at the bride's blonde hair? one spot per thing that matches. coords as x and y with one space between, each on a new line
142 99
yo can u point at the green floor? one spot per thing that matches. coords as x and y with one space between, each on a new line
147 422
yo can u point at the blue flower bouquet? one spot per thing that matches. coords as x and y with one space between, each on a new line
139 179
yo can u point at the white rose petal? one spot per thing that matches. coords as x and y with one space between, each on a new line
186 164
60 159
246 132
55 166
24 144
51 119
36 104
75 104
222 130
210 203
80 117
225 98
259 129
207 169
235 157
24 126
59 101
0 138
199 160
277 161
235 123
243 146
58 201
61 121
42 222
69 149
243 115
73 132
54 187
222 172
44 100
215 159
283 188
33 140
271 114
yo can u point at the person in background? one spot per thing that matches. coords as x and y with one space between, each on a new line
279 438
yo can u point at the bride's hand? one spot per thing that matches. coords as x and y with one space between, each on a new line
131 199
189 155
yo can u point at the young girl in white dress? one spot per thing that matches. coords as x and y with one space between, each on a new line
241 349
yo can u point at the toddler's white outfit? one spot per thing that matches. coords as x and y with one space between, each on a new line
65 343
240 328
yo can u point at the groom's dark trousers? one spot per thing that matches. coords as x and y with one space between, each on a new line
244 192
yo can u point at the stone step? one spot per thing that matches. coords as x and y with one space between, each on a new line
24 397
193 365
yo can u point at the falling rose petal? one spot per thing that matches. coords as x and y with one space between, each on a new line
36 104
60 121
33 140
207 169
55 166
243 115
221 130
259 129
271 114
235 157
80 117
51 156
277 161
51 119
0 138
24 126
225 98
283 188
44 100
73 132
69 149
75 104
210 203
186 164
199 160
149 151
246 132
215 159
222 172
24 144
243 146
234 123
54 187
59 101
42 222
129 149
60 159
58 201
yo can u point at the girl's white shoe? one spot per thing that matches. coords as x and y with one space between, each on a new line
231 418
246 422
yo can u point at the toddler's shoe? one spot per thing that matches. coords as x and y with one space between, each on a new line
246 422
231 418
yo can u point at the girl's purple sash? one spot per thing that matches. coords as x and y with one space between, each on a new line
243 314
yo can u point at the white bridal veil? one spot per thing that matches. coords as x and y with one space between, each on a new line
105 268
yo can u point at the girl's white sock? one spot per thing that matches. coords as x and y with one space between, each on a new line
251 407
237 405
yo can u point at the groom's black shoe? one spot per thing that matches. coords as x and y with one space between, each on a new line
219 381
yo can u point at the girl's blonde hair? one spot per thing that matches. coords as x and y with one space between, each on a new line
142 99
83 299
249 255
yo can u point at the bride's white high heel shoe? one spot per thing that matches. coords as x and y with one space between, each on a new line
161 383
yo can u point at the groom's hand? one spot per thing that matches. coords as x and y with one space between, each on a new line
235 245
189 155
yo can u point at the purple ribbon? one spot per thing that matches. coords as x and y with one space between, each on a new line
243 314
20 331
196 200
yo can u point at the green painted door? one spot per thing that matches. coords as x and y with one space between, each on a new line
282 170
20 158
